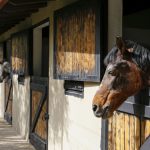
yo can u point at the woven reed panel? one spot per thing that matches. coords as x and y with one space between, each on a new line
20 53
75 42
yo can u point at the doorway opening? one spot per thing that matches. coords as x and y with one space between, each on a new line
41 50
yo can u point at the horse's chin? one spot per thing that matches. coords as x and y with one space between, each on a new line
105 115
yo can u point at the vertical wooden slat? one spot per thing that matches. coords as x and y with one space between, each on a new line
147 129
137 132
110 136
118 131
114 132
119 115
143 124
122 132
132 130
127 132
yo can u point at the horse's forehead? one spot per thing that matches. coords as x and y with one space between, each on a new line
110 66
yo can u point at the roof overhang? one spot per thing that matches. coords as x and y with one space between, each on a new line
14 11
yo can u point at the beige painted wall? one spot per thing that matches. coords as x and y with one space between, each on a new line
2 100
21 106
72 125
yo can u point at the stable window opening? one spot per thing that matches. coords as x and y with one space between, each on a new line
41 50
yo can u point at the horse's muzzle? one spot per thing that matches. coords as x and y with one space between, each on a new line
101 112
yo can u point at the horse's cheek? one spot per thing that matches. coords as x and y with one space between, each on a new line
98 100
116 99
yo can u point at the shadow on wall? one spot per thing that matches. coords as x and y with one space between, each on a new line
21 107
58 110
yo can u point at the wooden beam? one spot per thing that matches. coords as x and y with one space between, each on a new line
8 19
14 14
13 17
10 8
17 10
6 27
26 2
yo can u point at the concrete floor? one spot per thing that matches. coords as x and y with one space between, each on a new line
9 140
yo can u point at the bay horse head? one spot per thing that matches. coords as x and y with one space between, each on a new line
5 70
127 72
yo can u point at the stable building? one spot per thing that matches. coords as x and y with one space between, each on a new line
56 50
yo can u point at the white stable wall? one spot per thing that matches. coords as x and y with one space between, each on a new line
72 125
2 101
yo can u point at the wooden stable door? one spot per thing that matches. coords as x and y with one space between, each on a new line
39 114
8 101
129 127
127 132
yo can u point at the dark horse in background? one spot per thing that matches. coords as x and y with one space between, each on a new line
5 70
127 72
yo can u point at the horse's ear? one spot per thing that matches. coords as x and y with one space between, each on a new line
120 45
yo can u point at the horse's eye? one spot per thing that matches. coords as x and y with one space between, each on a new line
112 72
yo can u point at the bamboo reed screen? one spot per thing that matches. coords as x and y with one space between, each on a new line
75 52
127 132
20 53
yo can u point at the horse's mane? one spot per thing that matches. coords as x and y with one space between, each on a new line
140 55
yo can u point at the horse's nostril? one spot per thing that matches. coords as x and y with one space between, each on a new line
95 107
105 109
